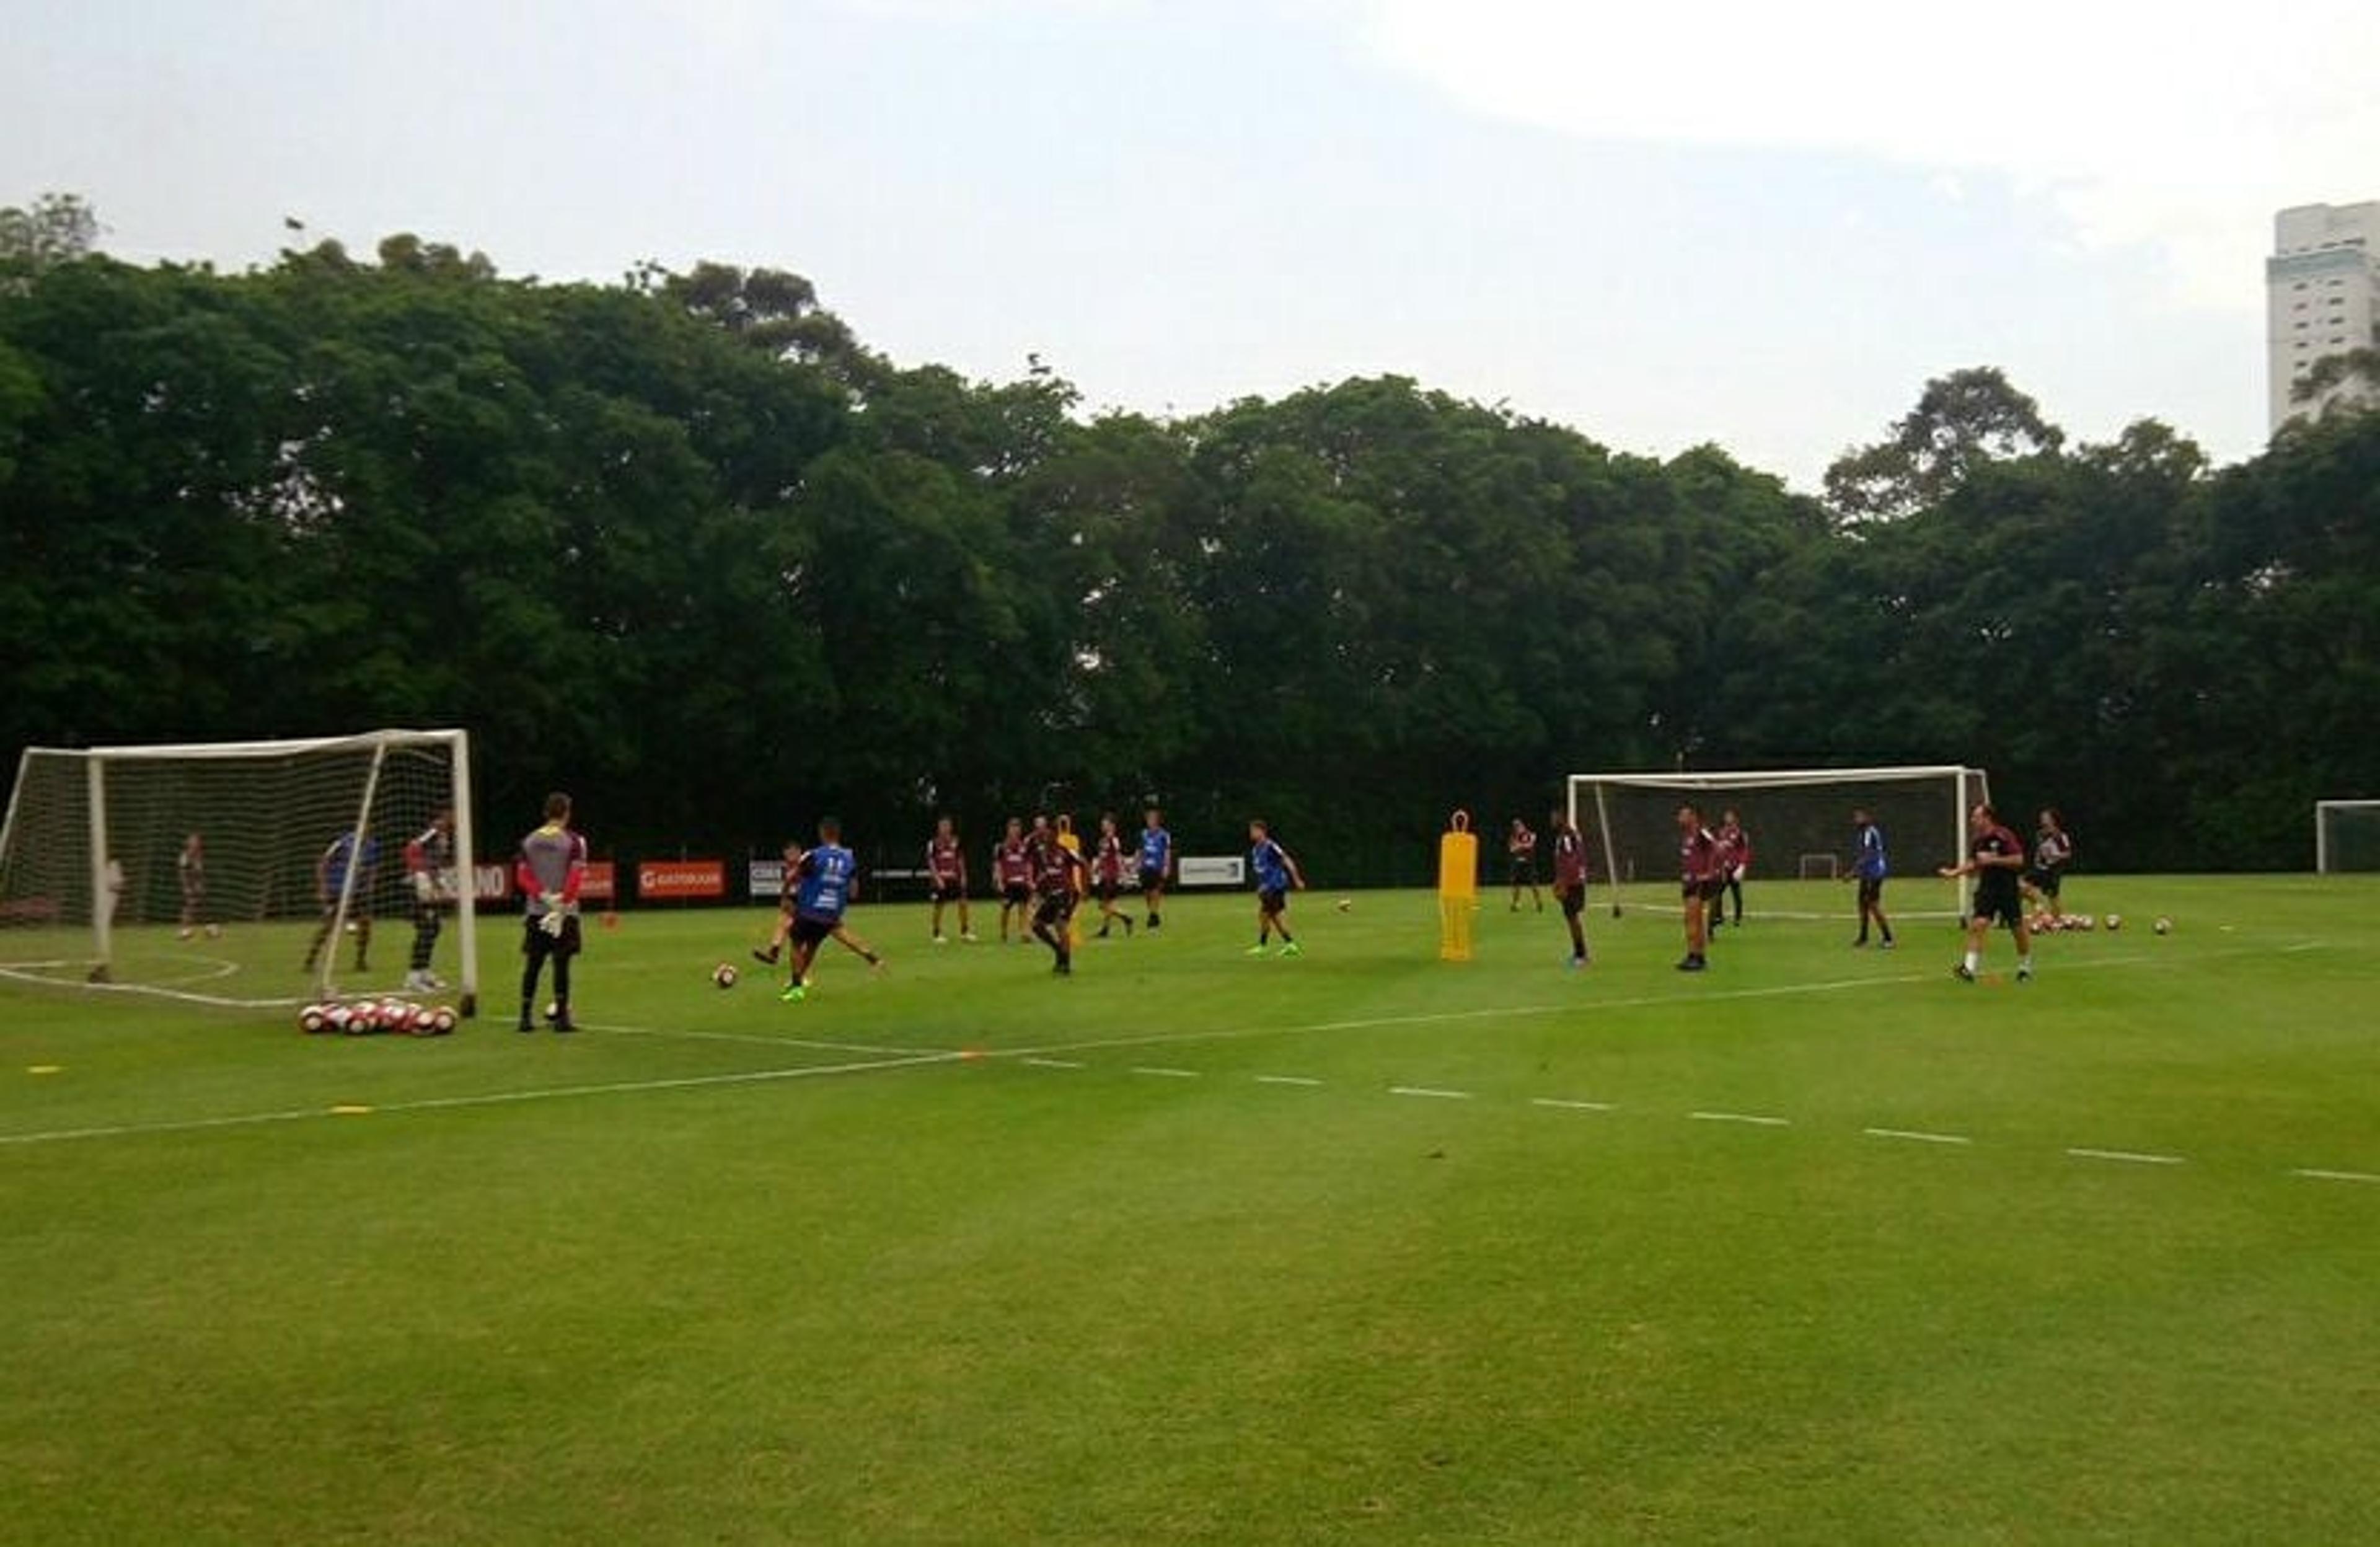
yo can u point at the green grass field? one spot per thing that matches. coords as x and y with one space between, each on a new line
1822 1245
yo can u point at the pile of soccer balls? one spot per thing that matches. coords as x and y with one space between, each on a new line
2043 923
369 1017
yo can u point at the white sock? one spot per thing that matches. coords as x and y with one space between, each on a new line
1974 961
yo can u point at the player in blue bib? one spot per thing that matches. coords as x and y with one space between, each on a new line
824 880
1276 873
1156 863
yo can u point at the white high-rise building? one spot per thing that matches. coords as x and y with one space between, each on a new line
2322 296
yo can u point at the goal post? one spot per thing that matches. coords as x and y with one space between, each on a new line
2346 836
246 872
1798 821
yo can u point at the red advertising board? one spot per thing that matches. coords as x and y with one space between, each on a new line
602 883
669 879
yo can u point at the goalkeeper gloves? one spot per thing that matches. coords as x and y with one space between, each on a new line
551 924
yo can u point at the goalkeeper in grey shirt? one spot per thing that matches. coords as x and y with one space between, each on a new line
553 866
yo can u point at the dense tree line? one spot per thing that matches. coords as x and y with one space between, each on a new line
685 545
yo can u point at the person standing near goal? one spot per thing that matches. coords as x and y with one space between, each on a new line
2053 850
1521 849
1735 858
1995 859
1276 874
1156 863
552 868
946 872
1698 864
190 870
428 864
1870 865
361 851
1570 882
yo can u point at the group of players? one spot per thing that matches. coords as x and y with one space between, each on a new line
1712 863
1042 874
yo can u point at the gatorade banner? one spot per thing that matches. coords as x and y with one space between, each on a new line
678 880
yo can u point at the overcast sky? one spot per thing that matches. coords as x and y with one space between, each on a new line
1755 224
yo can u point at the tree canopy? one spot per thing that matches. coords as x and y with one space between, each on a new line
685 545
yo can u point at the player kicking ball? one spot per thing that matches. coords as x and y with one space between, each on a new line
1995 859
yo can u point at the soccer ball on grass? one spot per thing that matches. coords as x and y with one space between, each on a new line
2115 920
723 975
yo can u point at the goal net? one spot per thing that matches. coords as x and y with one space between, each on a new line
257 873
1798 824
2345 835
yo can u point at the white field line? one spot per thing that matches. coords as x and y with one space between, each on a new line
495 1098
2335 1175
1430 1092
1753 1118
1286 1079
1571 1106
1052 1063
1917 1136
755 1038
1169 1074
2132 1157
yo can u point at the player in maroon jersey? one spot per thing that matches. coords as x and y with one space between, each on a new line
1521 848
1106 876
1698 863
946 871
1735 858
1570 881
1012 871
1058 873
1995 859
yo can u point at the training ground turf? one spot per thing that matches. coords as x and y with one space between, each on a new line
1821 1246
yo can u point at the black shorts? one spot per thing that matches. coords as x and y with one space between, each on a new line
537 945
1272 899
1999 905
1525 872
1108 889
1016 892
1151 880
1573 899
809 929
949 891
1871 889
1690 890
1053 908
2044 881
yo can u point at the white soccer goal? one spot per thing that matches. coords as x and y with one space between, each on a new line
2345 835
258 872
1799 822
